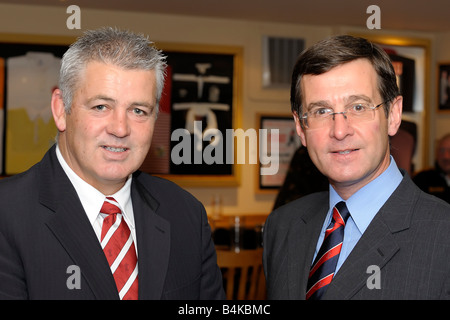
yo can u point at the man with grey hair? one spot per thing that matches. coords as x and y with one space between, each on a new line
85 223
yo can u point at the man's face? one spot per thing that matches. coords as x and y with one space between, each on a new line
350 154
108 132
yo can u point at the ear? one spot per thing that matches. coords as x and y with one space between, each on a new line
299 128
59 113
395 116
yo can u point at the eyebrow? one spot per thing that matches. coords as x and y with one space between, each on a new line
100 97
109 99
363 97
349 99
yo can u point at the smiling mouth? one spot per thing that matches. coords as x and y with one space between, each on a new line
346 151
114 149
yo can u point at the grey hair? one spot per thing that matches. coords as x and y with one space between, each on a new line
113 46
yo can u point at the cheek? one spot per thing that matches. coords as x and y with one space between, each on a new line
315 142
316 139
377 135
143 134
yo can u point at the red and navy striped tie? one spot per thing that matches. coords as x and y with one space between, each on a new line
324 266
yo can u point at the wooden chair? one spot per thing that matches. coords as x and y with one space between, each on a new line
243 274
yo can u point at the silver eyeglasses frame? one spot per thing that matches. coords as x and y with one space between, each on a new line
328 115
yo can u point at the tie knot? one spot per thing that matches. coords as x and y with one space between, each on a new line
110 206
341 213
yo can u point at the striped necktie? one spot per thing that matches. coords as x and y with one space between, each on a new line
324 266
119 249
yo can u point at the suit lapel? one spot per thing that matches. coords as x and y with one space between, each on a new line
302 244
153 242
71 227
375 248
377 245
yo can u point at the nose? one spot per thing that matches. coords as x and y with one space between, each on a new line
340 128
118 125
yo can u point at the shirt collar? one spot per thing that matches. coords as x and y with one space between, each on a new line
92 199
367 201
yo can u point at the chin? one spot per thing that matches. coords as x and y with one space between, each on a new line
116 174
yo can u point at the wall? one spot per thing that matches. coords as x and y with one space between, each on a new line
170 28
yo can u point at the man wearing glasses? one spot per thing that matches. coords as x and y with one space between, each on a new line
374 234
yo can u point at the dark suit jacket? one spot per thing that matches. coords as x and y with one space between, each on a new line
433 181
408 240
44 230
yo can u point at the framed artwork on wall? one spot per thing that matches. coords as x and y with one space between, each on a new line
29 74
200 103
287 142
443 87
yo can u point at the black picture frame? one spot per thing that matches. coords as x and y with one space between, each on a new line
443 87
205 77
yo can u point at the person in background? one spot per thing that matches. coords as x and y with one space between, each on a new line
374 234
436 181
302 178
84 222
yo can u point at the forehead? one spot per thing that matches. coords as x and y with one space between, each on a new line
99 76
97 69
355 78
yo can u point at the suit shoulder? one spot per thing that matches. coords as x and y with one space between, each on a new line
18 184
299 207
161 187
433 205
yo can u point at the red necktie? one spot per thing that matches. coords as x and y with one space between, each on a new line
119 249
324 266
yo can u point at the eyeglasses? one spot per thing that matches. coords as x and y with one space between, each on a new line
320 117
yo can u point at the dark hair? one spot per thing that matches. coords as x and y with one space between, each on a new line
335 51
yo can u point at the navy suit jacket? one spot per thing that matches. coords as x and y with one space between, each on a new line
44 231
408 241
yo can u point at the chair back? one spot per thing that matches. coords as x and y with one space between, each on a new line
243 274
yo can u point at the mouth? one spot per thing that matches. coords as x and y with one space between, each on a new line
115 149
344 152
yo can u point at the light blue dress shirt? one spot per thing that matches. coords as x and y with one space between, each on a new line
363 205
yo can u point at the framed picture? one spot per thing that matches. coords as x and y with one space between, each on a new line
200 103
29 71
444 87
280 148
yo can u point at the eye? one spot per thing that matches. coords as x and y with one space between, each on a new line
142 111
100 107
358 108
139 111
320 112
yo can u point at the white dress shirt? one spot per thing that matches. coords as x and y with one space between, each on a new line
92 199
